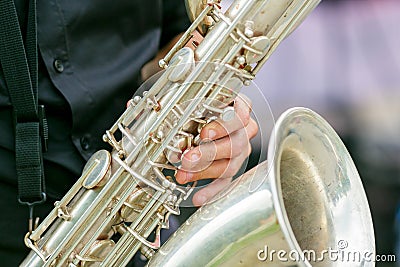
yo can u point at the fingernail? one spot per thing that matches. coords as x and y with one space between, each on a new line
212 134
195 156
190 158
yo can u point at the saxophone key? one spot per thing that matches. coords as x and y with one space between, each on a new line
97 253
97 169
181 64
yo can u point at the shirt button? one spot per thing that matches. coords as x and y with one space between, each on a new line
85 143
58 65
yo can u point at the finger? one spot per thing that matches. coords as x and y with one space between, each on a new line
214 170
228 147
208 192
225 148
195 40
218 128
223 168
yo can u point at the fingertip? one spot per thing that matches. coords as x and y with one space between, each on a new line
203 134
211 134
208 134
190 158
180 177
199 200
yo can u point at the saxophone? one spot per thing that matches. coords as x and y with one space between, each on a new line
295 201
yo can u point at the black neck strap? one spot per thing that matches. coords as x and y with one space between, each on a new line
20 66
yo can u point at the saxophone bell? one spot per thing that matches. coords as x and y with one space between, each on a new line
303 206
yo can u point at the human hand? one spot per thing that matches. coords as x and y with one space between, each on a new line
224 147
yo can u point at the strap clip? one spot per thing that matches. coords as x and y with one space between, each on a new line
32 226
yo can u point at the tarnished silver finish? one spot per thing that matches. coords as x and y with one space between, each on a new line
307 198
124 196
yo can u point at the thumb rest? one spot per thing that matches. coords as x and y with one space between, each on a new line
124 196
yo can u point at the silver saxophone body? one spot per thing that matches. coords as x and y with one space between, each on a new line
307 197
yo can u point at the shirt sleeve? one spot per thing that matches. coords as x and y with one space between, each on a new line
174 21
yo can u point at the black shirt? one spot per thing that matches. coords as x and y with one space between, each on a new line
90 56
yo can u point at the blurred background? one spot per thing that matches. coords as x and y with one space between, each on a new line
344 63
